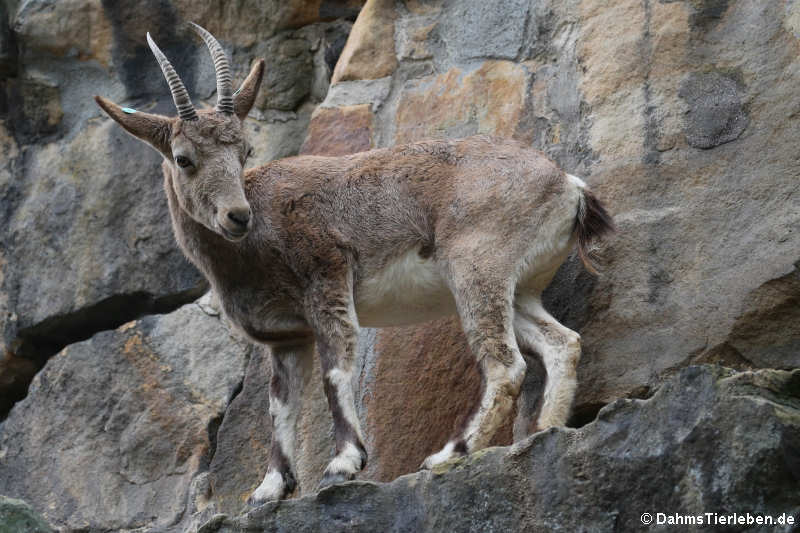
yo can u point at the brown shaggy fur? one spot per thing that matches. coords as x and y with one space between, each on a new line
476 226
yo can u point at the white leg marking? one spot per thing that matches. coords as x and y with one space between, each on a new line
472 432
502 385
348 461
440 457
577 181
296 362
341 379
270 489
283 423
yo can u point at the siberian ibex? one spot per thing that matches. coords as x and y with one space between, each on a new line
305 250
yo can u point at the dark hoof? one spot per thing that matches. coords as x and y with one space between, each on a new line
291 483
334 479
363 454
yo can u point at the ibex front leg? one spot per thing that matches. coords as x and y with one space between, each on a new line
291 372
332 316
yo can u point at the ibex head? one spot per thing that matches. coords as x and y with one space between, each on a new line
205 150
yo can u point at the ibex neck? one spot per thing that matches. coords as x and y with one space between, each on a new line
210 252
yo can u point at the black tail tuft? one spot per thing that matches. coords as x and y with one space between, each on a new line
592 222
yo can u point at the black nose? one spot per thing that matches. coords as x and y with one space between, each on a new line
239 216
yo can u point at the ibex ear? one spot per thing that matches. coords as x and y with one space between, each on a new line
245 97
152 129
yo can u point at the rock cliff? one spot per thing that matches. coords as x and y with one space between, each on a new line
131 406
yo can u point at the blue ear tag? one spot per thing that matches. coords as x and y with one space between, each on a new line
128 110
237 91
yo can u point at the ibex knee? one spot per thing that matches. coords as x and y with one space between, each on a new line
506 376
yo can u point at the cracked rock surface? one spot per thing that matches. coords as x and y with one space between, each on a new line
114 428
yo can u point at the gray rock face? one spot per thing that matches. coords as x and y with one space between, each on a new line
115 428
244 439
709 441
288 81
768 332
76 240
716 114
8 59
476 30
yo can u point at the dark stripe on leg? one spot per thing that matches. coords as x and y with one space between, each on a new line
343 431
280 463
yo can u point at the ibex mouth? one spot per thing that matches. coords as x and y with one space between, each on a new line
234 236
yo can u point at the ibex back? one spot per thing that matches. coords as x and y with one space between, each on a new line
303 251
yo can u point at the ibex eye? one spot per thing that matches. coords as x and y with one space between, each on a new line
183 161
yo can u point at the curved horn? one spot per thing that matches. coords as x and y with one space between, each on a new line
222 68
179 93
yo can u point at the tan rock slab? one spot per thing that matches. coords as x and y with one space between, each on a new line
339 131
458 103
369 52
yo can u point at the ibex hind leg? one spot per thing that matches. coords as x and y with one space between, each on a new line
559 348
537 331
484 301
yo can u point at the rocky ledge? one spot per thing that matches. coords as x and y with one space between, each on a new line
710 440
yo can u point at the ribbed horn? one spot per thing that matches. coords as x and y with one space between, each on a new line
222 68
179 93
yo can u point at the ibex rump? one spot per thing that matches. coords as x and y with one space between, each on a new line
302 251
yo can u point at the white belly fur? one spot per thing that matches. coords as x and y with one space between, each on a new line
407 290
410 288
